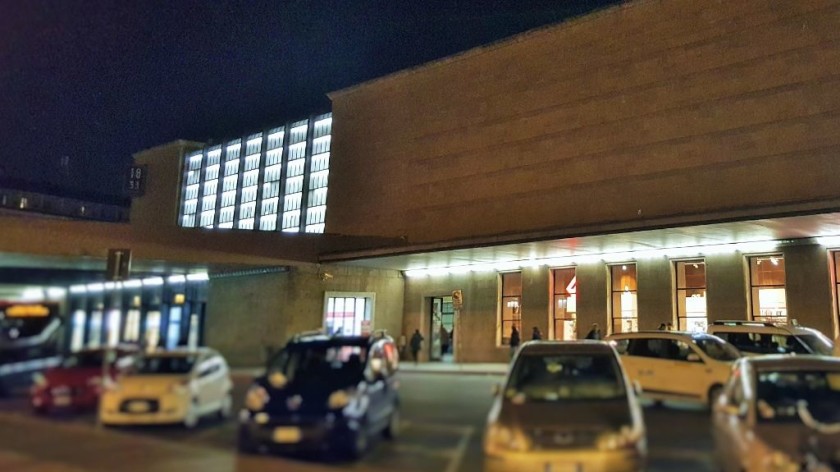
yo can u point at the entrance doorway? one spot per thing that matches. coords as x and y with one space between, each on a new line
441 329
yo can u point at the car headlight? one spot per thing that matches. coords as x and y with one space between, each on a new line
338 399
256 398
621 439
781 462
38 380
277 380
500 438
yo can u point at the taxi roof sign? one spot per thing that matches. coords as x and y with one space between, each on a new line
27 311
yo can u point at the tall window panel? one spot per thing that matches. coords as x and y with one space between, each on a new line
271 181
624 309
691 295
836 258
345 315
564 307
511 306
767 288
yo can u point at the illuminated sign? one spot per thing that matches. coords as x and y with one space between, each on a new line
27 311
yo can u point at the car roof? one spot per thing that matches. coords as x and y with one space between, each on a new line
182 352
321 339
657 333
746 326
793 362
566 347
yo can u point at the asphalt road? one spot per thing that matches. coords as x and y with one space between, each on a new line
443 417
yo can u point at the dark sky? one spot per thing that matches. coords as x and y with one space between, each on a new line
97 80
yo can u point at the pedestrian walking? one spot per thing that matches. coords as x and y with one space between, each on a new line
416 343
536 335
662 327
594 333
514 341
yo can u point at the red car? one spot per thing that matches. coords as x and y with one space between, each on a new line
77 382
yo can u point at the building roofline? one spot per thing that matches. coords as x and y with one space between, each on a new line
489 47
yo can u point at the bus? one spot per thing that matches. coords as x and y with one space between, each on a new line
30 341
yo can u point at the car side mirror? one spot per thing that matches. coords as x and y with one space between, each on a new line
496 389
693 357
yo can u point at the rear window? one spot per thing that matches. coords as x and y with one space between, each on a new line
764 343
569 377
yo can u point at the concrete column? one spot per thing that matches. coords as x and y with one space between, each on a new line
536 302
726 287
592 298
808 287
656 293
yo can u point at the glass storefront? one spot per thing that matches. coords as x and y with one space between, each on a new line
767 288
153 312
348 315
625 314
564 306
511 303
691 295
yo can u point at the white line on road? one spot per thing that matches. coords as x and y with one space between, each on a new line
455 463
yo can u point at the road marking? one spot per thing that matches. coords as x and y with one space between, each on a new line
461 450
424 450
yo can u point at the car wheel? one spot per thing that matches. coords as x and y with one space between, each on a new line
226 408
714 393
359 443
191 418
393 429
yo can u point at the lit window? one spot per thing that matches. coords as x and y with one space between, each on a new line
346 315
511 306
564 307
625 314
767 288
691 295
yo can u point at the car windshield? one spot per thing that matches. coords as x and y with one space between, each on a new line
162 365
570 377
717 349
339 366
778 393
818 343
83 359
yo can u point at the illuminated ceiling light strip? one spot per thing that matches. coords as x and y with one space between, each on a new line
152 281
78 289
132 283
200 277
176 279
95 287
828 241
623 256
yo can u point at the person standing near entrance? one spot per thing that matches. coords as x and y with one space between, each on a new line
514 341
536 335
416 343
594 333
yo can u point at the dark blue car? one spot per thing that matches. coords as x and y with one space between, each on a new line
323 393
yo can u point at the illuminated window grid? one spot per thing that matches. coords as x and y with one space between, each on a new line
296 167
190 189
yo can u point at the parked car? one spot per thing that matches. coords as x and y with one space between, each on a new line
178 386
77 382
565 406
675 365
766 419
758 337
323 393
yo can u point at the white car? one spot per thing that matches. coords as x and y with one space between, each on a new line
178 386
675 365
779 413
760 337
566 406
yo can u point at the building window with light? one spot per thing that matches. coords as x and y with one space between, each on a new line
348 314
691 295
836 257
511 305
767 288
624 313
564 306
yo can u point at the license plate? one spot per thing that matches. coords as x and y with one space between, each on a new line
62 400
138 407
286 435
562 467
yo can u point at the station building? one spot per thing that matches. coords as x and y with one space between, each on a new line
654 162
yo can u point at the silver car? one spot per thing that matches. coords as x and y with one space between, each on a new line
566 406
779 413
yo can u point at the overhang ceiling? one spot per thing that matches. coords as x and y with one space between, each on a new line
768 229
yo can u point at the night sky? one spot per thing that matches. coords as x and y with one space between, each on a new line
89 82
